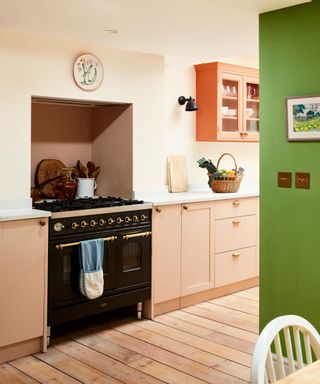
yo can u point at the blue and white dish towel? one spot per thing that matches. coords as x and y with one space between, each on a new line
91 273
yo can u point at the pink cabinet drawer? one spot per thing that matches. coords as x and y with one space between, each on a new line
235 265
234 233
235 207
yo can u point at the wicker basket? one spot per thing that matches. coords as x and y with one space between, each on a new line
226 184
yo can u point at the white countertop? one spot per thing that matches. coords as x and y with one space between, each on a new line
22 214
198 196
166 198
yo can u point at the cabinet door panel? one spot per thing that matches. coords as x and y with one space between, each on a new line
197 248
23 271
166 237
229 106
236 265
234 233
251 116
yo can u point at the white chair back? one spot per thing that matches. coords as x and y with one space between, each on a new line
285 345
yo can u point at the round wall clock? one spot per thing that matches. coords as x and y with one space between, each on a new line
88 72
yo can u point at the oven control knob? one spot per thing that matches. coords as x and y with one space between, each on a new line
58 227
84 224
110 221
101 222
119 220
127 219
93 223
135 218
75 225
143 217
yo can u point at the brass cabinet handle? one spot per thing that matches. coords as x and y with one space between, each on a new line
185 207
235 254
158 209
236 202
42 223
140 234
236 221
61 246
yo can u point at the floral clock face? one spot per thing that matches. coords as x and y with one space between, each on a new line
88 72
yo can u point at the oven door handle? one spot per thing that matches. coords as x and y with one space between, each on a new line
61 246
140 234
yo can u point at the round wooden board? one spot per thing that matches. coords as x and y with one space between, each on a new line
48 169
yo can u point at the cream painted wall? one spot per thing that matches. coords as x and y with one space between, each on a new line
33 65
180 130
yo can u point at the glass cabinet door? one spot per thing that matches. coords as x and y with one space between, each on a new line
251 112
231 114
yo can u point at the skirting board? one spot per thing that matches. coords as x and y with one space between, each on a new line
186 301
22 349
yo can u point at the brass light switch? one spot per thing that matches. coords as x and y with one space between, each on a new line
302 180
284 179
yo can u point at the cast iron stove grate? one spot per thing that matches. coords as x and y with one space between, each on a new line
84 203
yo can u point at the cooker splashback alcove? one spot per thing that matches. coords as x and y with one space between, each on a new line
71 130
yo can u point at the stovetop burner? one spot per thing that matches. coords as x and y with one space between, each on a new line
87 203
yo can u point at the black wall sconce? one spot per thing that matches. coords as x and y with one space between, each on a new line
191 104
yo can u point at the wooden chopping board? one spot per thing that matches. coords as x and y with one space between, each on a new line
177 174
48 169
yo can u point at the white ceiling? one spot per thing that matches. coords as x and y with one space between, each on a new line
184 31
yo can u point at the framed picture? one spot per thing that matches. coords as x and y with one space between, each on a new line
303 118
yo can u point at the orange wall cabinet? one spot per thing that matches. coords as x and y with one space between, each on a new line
228 102
23 292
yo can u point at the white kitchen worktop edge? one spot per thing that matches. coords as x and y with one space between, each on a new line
22 214
193 197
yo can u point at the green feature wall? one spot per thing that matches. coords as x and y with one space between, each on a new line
290 217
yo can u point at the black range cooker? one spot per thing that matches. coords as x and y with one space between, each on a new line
125 227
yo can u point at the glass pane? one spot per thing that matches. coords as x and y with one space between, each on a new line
131 256
71 266
230 112
253 126
252 107
252 91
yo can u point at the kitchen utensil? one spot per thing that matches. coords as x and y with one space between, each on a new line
46 176
177 174
86 187
251 91
91 167
66 188
224 110
232 112
249 112
96 173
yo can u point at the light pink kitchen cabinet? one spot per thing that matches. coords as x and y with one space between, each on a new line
166 255
203 250
236 240
197 252
23 287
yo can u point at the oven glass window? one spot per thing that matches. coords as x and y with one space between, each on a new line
71 266
131 256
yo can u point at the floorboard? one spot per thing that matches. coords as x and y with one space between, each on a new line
211 342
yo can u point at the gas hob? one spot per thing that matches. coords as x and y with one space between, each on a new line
94 214
87 203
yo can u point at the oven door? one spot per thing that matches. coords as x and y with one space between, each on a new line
64 268
133 258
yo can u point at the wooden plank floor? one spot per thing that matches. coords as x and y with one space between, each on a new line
210 342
